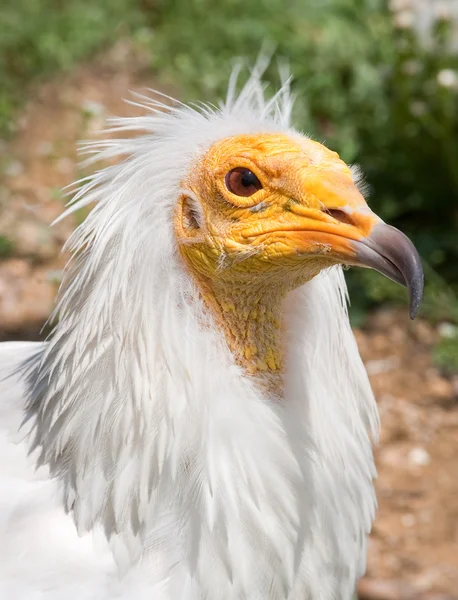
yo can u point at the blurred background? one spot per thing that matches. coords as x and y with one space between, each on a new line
375 80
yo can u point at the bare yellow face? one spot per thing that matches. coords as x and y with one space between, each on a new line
262 214
270 204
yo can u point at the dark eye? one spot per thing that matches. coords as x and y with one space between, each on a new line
242 182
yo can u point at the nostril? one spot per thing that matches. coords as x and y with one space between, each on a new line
339 215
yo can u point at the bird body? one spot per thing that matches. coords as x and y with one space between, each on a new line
152 448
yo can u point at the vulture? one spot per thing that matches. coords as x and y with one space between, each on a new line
199 424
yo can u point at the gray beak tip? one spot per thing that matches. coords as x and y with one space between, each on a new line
416 294
390 252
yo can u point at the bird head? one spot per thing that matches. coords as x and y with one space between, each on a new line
272 210
244 209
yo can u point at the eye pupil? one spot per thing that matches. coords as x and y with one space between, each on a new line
242 182
248 178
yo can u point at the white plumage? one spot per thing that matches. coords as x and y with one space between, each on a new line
137 458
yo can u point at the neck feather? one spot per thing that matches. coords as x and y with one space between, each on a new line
121 422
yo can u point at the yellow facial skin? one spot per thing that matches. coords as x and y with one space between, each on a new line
246 253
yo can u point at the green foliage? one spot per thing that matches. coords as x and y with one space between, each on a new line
6 247
41 36
445 355
367 89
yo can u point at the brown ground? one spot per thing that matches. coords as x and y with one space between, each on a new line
415 536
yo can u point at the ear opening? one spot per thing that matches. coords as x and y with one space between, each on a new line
192 218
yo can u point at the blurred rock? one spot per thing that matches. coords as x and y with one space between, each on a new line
383 319
65 165
378 589
408 520
398 335
381 342
14 169
385 365
25 295
440 387
393 456
34 239
419 457
45 149
382 589
424 332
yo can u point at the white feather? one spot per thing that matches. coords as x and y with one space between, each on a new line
180 479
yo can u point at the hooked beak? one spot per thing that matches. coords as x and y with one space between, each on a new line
361 238
390 252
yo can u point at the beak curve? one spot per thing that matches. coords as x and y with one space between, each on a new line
390 252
